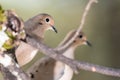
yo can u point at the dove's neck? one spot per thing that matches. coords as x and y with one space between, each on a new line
39 32
69 53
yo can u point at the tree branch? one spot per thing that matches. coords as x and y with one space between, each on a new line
87 8
97 68
74 64
11 70
50 52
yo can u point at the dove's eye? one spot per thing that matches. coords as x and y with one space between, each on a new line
80 36
47 19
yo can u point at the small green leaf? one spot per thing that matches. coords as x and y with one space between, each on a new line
10 35
2 16
8 44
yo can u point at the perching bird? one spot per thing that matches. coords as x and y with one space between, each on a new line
56 70
37 26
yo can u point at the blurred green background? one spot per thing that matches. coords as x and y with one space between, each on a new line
102 28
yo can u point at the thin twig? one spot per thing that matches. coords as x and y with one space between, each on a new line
97 68
87 8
